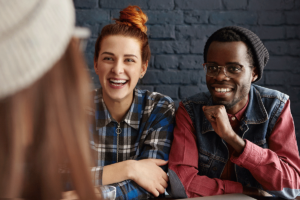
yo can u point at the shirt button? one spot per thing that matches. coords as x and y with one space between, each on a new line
232 118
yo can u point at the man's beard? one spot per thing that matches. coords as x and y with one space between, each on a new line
245 91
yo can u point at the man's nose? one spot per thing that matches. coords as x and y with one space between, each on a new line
221 76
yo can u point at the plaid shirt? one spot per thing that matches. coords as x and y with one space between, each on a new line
145 132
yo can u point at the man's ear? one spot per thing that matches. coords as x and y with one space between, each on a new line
254 74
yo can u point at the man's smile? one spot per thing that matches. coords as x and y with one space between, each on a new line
223 90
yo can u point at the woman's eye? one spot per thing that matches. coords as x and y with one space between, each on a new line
107 58
129 60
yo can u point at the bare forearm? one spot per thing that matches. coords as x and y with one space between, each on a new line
117 172
236 142
146 173
217 116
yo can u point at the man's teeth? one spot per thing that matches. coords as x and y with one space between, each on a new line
117 81
223 89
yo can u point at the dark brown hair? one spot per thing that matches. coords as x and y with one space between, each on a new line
44 134
131 23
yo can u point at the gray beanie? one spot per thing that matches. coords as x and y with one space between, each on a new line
260 53
34 34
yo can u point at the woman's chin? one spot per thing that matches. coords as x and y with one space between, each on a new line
119 96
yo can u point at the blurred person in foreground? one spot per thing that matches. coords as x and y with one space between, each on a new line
44 93
133 128
238 137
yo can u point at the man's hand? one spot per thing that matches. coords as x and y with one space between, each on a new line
255 192
218 118
150 176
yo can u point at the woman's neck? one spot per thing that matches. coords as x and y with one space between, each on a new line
118 109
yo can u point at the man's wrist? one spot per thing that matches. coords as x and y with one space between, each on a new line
237 143
230 136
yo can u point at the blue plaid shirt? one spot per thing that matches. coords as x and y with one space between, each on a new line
145 132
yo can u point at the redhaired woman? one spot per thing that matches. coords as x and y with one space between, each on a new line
133 128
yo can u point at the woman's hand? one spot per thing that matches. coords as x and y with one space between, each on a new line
70 195
149 175
73 194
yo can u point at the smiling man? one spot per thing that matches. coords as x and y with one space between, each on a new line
238 137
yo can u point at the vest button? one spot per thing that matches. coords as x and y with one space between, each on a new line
215 168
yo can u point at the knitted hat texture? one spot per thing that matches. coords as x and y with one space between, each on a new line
261 54
34 34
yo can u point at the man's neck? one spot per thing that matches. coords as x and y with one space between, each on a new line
239 106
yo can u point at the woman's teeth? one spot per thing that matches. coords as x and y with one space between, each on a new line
116 82
222 90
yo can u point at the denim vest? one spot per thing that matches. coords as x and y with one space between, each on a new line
264 108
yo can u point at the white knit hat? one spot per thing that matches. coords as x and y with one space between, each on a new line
34 34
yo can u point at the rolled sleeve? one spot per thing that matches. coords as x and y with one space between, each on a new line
183 165
277 169
232 187
97 173
250 158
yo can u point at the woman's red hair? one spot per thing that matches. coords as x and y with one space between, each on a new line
131 23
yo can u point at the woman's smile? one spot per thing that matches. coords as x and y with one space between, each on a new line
119 67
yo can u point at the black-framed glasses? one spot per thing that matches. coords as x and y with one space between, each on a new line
230 70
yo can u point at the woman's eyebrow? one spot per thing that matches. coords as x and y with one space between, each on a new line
126 55
108 53
130 55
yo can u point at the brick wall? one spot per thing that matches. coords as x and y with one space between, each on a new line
178 30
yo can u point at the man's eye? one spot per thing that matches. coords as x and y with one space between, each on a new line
212 68
234 68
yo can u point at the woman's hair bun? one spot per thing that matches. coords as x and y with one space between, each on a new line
133 16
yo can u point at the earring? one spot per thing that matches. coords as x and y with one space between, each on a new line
141 76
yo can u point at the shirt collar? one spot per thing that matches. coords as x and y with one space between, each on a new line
132 117
134 113
240 113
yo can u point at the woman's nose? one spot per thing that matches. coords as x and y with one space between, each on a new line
118 68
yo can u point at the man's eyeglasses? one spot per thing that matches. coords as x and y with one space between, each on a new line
230 70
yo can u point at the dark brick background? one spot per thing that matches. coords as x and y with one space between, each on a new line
178 30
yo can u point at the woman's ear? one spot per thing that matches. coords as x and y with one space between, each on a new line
96 67
254 74
144 68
